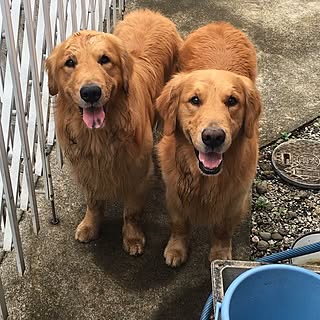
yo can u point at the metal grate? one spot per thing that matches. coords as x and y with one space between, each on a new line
298 162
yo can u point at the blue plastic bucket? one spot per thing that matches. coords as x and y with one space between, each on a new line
277 292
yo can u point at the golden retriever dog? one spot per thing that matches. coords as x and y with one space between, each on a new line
107 86
209 150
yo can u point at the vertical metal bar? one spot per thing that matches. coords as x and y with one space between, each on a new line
100 24
55 219
47 26
4 167
108 15
114 12
83 15
93 14
37 95
49 42
20 110
3 307
74 16
62 18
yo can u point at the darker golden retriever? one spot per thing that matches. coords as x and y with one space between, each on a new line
107 86
209 151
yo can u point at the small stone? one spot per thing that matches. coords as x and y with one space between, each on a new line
291 215
255 239
255 231
266 166
265 235
282 210
303 194
283 232
262 245
276 236
268 175
262 187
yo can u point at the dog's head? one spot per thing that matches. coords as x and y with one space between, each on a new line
87 70
211 107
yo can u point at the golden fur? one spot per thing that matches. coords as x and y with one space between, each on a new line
207 100
113 161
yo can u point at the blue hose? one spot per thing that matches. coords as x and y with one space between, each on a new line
275 257
292 253
207 309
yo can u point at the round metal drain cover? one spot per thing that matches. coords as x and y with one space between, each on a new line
298 162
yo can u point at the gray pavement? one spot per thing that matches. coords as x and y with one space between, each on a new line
68 280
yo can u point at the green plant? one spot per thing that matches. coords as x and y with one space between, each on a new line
286 135
262 203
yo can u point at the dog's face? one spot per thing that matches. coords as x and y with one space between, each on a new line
212 108
87 70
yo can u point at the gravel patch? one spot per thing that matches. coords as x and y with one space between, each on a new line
282 212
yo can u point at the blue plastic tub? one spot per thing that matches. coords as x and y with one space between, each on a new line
272 292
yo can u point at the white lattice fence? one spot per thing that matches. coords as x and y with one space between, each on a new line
29 31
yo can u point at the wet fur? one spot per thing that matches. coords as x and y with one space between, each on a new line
114 162
219 201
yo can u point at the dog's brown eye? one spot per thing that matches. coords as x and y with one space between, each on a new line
195 101
70 63
104 59
231 101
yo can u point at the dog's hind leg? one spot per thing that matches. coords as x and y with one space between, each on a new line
89 227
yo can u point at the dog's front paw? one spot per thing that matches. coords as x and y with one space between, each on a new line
133 240
176 253
86 232
220 253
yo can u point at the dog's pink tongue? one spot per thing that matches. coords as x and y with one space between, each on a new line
93 117
210 160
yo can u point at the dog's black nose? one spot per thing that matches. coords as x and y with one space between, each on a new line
213 137
90 93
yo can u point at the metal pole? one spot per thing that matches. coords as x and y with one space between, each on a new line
108 15
49 43
93 14
41 135
3 306
114 12
62 18
74 15
83 15
100 25
12 212
20 110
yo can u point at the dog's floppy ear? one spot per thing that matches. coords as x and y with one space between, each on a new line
253 107
51 67
126 69
168 102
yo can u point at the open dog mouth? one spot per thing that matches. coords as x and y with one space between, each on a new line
93 117
210 163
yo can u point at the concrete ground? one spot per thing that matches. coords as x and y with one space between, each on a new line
68 280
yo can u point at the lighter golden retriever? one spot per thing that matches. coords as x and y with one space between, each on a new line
107 86
209 151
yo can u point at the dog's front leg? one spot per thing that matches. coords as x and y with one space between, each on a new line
89 227
132 235
221 244
176 251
